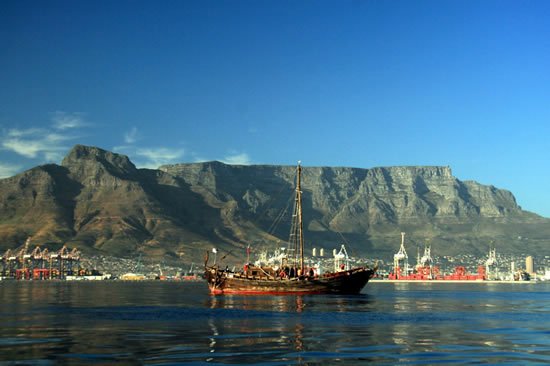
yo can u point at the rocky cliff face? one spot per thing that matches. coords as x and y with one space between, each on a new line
98 200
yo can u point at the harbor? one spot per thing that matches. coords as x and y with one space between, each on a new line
42 264
25 263
426 270
30 262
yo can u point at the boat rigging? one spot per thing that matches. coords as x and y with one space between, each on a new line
292 276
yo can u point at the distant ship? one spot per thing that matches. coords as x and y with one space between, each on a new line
291 276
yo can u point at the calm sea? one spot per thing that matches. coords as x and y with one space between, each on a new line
172 323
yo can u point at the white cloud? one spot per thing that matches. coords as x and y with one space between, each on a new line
237 159
131 136
63 120
47 144
8 170
123 149
35 142
156 157
232 159
200 159
22 147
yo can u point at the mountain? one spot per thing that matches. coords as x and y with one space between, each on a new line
99 201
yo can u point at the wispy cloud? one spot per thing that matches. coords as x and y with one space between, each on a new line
156 157
33 143
8 170
130 137
237 159
44 143
64 121
199 159
233 158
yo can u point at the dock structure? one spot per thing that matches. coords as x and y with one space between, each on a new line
39 264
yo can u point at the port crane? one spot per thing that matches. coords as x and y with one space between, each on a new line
490 264
425 264
39 264
401 260
341 259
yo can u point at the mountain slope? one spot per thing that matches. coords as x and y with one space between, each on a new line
99 201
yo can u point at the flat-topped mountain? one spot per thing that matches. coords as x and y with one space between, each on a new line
99 201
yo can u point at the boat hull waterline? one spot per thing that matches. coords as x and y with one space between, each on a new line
345 282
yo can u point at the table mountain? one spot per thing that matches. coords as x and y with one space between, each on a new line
99 201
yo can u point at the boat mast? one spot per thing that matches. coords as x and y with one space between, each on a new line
299 212
296 240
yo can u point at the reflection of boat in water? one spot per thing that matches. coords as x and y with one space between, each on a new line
292 276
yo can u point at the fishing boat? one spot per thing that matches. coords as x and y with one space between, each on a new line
290 276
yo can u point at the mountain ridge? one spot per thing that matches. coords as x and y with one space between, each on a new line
99 201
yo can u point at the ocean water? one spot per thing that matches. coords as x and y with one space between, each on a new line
179 323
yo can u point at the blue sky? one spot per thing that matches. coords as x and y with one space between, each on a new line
464 84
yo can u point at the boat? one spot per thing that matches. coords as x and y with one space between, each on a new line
290 276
